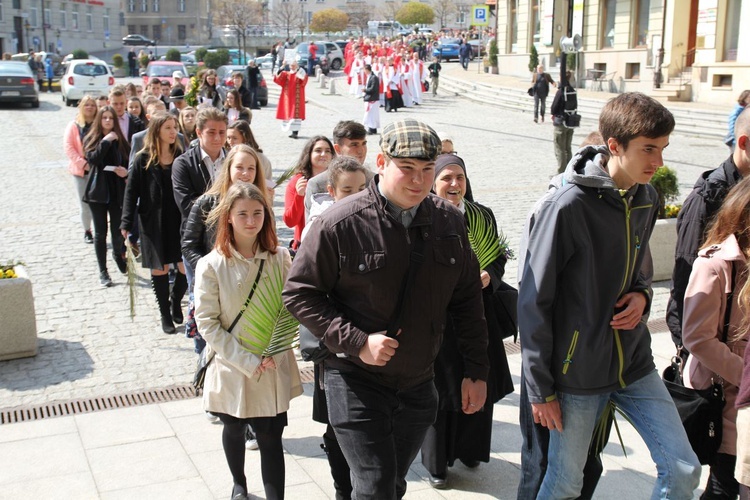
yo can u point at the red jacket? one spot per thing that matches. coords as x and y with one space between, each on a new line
294 209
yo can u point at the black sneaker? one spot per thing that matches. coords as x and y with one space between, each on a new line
104 279
88 237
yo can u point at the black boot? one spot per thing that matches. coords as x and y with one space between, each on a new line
339 468
160 284
178 291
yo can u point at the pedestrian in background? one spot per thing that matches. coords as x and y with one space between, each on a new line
240 133
464 55
371 119
78 166
563 135
540 82
234 108
253 80
434 70
132 63
207 92
187 124
50 73
291 107
40 74
241 387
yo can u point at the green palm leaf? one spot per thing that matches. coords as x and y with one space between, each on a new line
132 275
285 176
483 238
600 431
270 328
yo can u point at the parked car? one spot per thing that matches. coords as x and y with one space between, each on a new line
236 56
55 58
163 70
446 49
136 40
17 83
224 82
329 49
188 60
85 77
264 62
477 48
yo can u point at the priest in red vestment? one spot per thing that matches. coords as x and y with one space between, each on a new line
291 108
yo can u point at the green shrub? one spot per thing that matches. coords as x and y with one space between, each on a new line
200 54
80 54
143 60
118 61
215 59
665 183
533 59
173 55
493 53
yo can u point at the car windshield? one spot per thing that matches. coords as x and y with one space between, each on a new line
449 40
163 69
90 69
14 68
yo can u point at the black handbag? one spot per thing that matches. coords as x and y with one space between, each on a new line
530 91
505 303
203 358
700 410
96 187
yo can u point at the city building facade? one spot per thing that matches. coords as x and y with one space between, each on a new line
704 57
59 25
171 22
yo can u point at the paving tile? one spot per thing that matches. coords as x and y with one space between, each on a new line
197 434
193 489
182 408
77 485
37 428
38 458
140 464
121 426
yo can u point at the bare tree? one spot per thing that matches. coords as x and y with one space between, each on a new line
359 15
288 15
443 9
240 15
389 10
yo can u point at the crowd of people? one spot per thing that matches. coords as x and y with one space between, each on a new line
396 275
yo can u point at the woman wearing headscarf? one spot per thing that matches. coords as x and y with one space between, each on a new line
455 435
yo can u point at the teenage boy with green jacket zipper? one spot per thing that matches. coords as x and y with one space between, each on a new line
583 298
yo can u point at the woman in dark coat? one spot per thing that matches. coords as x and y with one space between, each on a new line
455 435
149 194
107 155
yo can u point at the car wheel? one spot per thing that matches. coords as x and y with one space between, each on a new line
35 104
264 103
336 64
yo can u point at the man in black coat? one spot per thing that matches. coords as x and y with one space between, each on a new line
372 101
464 55
132 62
253 80
699 208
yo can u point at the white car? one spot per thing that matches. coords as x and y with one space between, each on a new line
85 77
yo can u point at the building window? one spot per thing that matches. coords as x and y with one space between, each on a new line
144 5
131 5
640 27
105 21
156 5
536 22
16 4
156 29
131 29
33 17
1 12
513 22
63 17
47 17
181 32
144 30
607 33
732 30
181 5
74 18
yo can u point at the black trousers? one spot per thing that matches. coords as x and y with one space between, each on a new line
268 431
721 483
99 212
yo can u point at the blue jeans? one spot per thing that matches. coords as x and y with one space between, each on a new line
379 429
649 406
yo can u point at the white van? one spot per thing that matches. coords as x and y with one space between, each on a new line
386 28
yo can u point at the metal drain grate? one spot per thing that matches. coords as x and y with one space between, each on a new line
89 405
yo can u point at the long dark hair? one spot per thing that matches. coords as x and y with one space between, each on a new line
152 142
247 134
96 133
304 164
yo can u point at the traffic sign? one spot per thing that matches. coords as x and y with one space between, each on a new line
480 15
106 35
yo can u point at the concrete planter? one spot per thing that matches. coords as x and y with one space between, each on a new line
662 244
17 317
120 72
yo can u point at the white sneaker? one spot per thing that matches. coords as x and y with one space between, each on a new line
211 417
251 444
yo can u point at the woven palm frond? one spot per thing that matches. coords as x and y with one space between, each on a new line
132 276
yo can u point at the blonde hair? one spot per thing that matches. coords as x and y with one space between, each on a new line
80 120
223 181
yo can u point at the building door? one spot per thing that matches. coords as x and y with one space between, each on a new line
692 31
18 29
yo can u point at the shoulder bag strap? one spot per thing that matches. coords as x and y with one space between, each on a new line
416 257
250 295
728 311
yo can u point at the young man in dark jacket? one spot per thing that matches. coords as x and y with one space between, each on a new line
344 287
582 302
699 208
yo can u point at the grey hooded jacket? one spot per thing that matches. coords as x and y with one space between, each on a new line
586 247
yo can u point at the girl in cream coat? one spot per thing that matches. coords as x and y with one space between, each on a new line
724 254
241 387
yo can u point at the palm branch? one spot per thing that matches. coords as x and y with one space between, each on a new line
483 238
599 440
270 328
285 176
132 275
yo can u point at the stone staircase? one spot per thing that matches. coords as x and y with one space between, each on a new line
676 89
698 122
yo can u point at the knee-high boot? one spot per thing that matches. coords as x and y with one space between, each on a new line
178 291
339 468
160 284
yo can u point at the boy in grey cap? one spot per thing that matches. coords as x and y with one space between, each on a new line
373 280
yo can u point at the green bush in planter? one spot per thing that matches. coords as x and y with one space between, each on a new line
493 53
200 54
665 183
173 55
533 59
118 61
80 54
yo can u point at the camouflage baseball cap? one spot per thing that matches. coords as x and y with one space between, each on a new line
410 138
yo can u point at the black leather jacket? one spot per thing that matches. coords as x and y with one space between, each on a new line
197 239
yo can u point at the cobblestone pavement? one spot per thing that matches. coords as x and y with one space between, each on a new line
89 346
